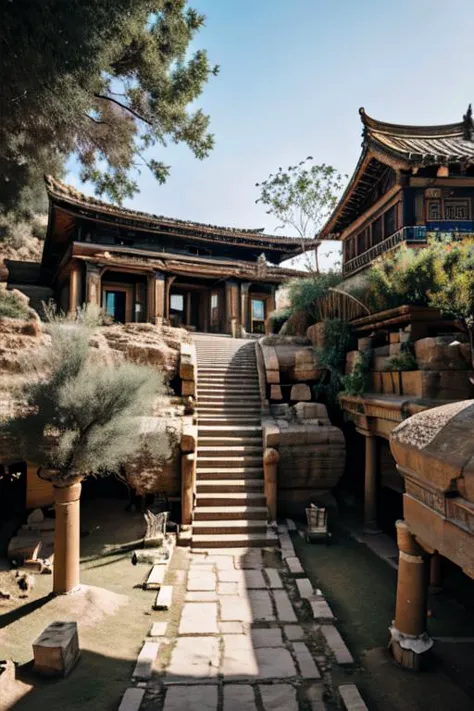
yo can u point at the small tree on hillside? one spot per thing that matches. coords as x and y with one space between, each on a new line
302 198
80 421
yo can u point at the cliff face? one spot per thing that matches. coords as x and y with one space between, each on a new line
22 343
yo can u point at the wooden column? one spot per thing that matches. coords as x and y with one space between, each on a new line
244 305
74 288
409 641
188 309
169 280
158 298
370 485
93 285
232 307
66 538
270 307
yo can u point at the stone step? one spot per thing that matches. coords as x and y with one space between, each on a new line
224 388
235 540
227 381
226 462
230 498
226 369
228 420
207 473
228 513
222 451
222 486
232 441
225 396
229 526
229 430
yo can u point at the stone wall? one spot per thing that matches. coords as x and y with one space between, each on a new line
311 455
291 368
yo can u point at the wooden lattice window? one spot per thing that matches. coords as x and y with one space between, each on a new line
457 209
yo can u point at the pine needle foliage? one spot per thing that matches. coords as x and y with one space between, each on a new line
104 81
82 418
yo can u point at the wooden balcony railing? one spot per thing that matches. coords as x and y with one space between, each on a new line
405 234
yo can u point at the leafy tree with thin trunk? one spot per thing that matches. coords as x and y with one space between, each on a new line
82 420
104 81
302 198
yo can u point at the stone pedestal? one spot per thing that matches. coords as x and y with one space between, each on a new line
57 649
66 538
409 640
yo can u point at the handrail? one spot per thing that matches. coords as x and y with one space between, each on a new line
405 234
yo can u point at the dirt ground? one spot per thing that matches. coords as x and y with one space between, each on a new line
112 622
360 587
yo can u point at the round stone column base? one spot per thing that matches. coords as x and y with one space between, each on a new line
410 652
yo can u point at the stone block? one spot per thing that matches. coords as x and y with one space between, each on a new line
254 579
394 337
441 385
199 618
131 700
312 411
271 434
191 698
56 650
201 596
274 578
274 663
308 669
280 410
156 577
266 637
279 697
394 349
352 358
391 382
239 658
305 588
193 658
187 363
316 334
275 392
364 344
164 598
188 388
285 611
231 627
272 377
270 358
189 438
201 580
294 565
437 354
381 351
321 610
261 605
351 699
380 363
239 696
294 633
158 629
337 645
146 659
300 392
303 375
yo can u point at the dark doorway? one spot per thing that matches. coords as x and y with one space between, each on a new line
115 304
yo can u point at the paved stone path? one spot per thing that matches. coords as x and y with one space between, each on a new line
242 639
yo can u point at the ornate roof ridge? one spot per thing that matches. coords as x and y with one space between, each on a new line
58 189
442 130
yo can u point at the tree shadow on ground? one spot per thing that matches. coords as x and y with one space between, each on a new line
19 612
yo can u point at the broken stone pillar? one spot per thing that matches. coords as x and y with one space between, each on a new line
370 485
409 641
271 458
93 285
66 538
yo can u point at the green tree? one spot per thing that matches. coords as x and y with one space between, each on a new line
80 421
302 197
103 80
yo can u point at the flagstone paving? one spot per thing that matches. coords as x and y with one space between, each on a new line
239 638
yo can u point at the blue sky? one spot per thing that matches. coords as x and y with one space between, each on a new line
293 75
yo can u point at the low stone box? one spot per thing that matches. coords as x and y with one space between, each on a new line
57 649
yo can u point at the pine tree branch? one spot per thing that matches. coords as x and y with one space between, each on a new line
125 107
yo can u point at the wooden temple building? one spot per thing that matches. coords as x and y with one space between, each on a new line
411 183
144 268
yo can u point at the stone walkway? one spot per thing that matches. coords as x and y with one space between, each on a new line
240 638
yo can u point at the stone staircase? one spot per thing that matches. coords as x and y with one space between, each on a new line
230 502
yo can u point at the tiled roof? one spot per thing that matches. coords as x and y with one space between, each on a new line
58 190
432 144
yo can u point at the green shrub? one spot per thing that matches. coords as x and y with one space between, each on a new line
332 360
278 318
305 292
404 361
11 306
357 382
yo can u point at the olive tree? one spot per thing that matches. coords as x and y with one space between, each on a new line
80 420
